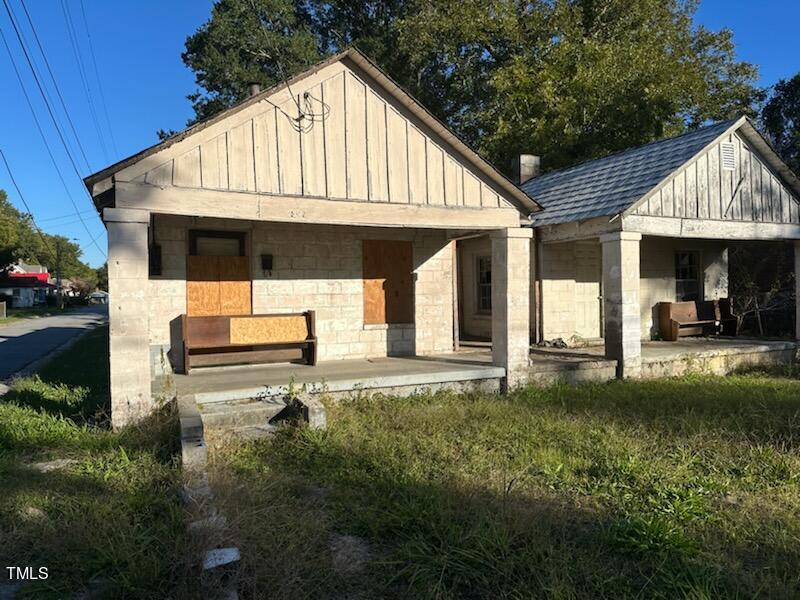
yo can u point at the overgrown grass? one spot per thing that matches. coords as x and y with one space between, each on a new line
675 488
108 518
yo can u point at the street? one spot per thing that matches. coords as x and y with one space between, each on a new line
26 341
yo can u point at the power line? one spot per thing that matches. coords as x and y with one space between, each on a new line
73 38
55 84
27 207
97 77
39 126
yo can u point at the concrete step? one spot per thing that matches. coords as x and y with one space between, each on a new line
229 416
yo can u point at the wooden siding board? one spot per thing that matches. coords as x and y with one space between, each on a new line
417 165
240 158
714 197
313 146
356 128
377 169
667 200
265 147
435 174
703 207
289 149
452 183
335 141
187 169
397 148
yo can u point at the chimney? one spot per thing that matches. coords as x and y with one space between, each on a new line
525 167
254 89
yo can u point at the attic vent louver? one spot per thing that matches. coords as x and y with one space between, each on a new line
728 156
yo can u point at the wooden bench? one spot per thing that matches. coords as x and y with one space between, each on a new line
678 319
248 339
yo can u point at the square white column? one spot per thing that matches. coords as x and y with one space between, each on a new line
511 293
621 312
129 345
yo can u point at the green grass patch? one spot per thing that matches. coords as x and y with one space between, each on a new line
108 517
675 488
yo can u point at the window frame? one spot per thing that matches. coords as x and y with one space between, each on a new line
681 282
240 236
482 286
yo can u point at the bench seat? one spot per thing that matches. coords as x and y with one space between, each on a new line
248 339
679 319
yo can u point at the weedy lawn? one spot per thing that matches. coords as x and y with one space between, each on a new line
682 488
98 509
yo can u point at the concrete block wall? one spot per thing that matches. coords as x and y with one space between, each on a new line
319 268
564 273
658 274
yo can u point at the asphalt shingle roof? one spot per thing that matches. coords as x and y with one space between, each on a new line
609 185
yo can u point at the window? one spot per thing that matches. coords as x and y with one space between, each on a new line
687 276
216 243
484 282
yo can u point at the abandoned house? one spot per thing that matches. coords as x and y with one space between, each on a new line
335 228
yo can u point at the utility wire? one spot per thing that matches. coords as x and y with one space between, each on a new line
73 38
97 77
55 84
39 126
27 207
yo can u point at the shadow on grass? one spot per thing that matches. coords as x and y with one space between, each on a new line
754 408
436 535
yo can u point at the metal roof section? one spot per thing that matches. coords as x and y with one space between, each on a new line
610 185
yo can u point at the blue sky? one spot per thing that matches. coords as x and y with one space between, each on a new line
137 46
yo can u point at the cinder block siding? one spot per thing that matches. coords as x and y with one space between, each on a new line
319 268
658 274
564 273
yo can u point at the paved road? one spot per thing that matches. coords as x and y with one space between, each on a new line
24 342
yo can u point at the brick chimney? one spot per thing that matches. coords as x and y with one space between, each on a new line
525 167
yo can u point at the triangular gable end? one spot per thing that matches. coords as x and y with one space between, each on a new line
362 142
737 177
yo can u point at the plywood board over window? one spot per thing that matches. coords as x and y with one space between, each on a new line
217 275
388 267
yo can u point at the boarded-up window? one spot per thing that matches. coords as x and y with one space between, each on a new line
388 268
217 275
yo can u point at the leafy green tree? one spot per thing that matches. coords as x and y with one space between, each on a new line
781 119
568 79
101 274
246 41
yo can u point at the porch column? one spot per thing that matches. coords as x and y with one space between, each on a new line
129 344
621 313
511 292
797 289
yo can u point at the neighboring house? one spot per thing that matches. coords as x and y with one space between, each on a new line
651 224
350 210
25 289
98 297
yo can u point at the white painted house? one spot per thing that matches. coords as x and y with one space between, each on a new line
349 199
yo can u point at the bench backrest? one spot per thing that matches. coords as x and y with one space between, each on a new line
250 330
701 310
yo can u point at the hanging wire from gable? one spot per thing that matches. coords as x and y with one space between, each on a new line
306 116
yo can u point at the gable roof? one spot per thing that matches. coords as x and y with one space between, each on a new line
99 182
614 184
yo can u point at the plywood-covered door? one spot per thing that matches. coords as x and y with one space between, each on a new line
388 267
218 285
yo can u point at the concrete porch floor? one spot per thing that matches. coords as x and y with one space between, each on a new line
401 375
471 368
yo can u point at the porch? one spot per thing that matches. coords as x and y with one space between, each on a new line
471 369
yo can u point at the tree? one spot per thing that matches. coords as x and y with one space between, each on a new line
568 79
781 120
101 273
